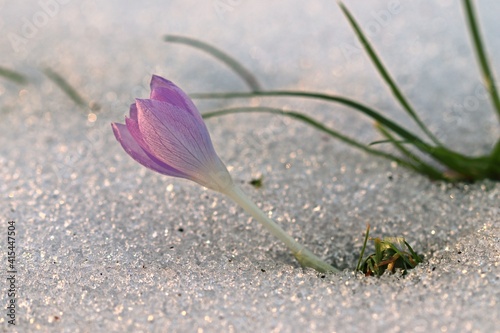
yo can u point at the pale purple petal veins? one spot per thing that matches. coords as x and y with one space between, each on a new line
173 135
133 129
132 148
200 128
166 91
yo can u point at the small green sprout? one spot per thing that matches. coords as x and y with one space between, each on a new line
391 254
257 182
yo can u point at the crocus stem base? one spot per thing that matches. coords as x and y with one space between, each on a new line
305 257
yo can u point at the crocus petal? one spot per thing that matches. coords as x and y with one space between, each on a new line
166 91
132 148
181 140
133 128
167 134
133 112
173 135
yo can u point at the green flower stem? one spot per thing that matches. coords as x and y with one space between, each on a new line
305 257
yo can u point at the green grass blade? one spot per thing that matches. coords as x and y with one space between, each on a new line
358 266
65 87
414 255
469 168
307 120
465 167
495 162
378 142
13 76
378 251
417 163
375 115
486 71
460 167
238 68
402 255
385 74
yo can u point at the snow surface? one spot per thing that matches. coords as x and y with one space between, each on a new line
105 245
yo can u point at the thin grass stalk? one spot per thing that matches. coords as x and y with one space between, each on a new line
487 73
310 121
385 74
232 63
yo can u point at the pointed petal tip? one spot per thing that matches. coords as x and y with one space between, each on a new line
140 104
133 148
133 111
159 81
155 78
164 90
114 126
117 129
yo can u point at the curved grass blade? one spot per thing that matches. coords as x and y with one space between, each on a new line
13 76
460 167
416 163
466 168
378 142
310 121
238 68
385 74
65 87
375 115
415 256
402 255
486 71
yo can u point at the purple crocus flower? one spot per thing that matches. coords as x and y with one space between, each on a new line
166 133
